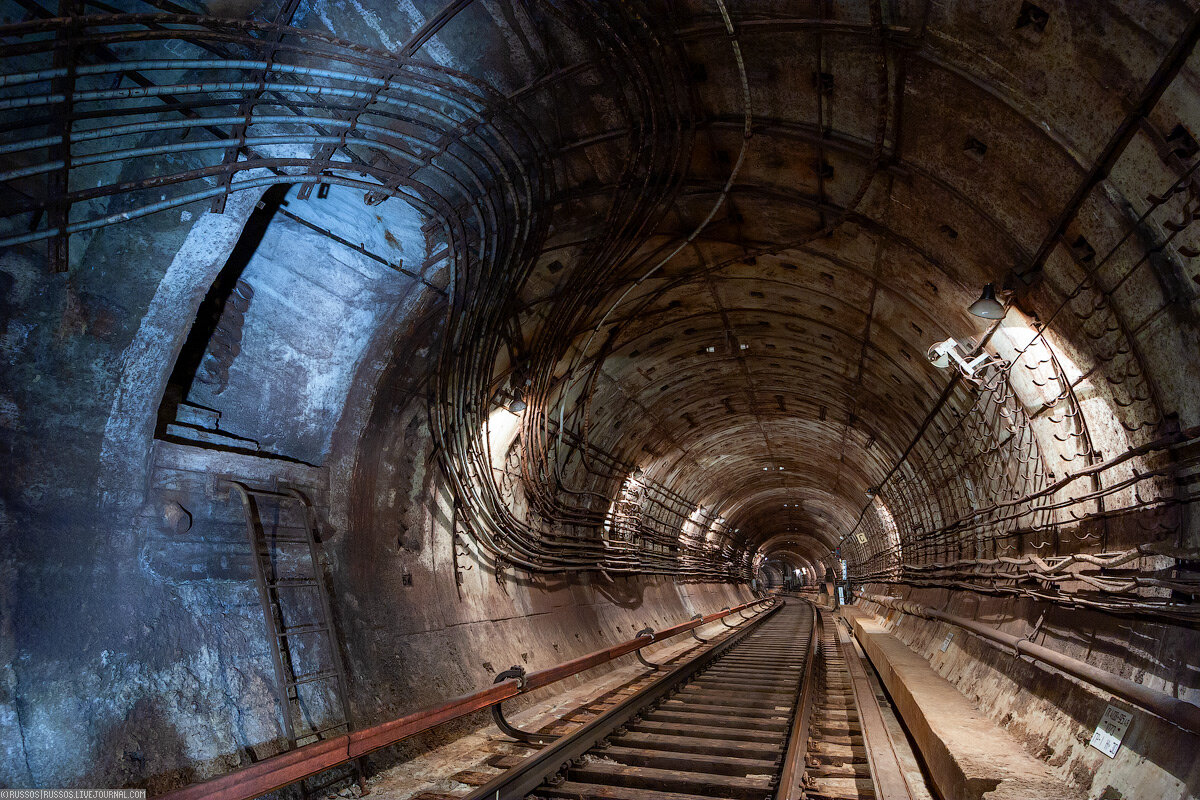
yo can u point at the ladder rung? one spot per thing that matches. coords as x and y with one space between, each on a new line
268 493
333 727
312 677
293 582
282 540
299 630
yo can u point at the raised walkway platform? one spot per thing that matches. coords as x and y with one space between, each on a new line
968 755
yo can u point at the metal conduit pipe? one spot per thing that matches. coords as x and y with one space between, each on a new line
236 186
1178 712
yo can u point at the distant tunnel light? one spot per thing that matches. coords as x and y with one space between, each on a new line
503 425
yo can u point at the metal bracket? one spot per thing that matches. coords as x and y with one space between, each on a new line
1029 636
518 672
647 631
724 621
694 636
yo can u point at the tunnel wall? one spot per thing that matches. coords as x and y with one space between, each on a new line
132 641
1054 715
425 614
108 674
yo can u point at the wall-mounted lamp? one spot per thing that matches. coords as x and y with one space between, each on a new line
987 306
942 353
518 404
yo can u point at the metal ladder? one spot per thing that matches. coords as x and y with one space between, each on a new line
310 678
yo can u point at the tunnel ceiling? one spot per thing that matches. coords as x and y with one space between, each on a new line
709 245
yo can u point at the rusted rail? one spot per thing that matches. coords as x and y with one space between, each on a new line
715 725
791 779
886 770
289 767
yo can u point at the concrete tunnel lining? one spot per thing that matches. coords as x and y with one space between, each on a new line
484 223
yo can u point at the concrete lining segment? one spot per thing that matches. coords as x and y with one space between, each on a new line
968 756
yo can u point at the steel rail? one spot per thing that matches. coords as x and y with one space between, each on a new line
294 765
886 771
536 770
791 780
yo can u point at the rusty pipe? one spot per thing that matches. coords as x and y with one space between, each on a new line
293 765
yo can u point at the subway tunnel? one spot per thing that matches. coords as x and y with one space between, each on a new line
373 371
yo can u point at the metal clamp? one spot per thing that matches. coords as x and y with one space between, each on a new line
694 636
1037 626
647 631
518 672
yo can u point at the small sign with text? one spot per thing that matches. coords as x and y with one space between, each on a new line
1111 730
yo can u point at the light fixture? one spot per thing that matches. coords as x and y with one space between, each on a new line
942 353
987 306
517 405
939 354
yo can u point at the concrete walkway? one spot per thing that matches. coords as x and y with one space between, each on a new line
968 756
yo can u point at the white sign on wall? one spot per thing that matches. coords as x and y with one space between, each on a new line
947 640
1111 730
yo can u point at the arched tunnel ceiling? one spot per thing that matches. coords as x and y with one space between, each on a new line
718 247
780 355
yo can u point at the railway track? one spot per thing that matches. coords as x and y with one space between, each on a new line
769 712
837 764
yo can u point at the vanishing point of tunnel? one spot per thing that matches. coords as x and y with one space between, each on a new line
600 399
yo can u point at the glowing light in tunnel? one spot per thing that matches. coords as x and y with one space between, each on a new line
693 528
500 434
1038 349
622 515
890 530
